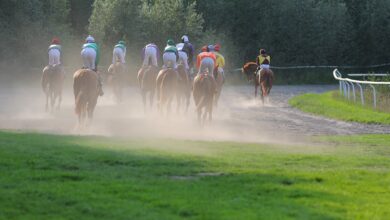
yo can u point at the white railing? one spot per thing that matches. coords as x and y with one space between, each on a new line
347 87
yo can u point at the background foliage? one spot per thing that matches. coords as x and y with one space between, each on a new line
295 32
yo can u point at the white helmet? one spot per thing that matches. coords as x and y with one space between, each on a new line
185 39
90 39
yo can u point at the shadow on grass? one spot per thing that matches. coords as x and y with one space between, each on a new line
46 177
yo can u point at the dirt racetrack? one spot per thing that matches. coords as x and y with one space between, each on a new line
238 118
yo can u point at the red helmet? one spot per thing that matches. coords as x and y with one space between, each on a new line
217 47
55 40
205 49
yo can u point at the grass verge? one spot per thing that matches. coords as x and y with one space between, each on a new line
329 105
66 177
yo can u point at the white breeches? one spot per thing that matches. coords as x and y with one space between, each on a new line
150 54
184 59
264 66
118 55
169 59
207 64
89 58
54 57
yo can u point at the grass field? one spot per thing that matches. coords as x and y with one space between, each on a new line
331 105
67 177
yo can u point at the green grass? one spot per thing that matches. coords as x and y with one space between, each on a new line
66 177
329 105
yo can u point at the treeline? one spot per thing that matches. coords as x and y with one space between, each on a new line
295 32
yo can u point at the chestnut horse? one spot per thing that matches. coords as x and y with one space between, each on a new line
147 82
203 92
116 78
265 81
86 92
183 88
249 69
51 82
166 84
264 78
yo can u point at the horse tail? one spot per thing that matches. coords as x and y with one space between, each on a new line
205 87
201 103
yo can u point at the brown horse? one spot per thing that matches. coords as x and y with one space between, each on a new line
166 84
219 83
52 81
183 88
249 69
116 79
265 80
203 92
86 92
147 83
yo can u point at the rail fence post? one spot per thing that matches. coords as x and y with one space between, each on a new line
374 94
361 93
341 87
353 90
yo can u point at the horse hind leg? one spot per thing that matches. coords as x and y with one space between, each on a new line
47 102
199 113
178 103
143 94
59 100
52 101
187 103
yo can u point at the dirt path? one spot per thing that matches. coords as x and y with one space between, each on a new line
238 118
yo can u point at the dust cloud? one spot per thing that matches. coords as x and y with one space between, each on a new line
238 117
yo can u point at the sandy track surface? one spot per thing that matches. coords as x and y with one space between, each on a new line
238 118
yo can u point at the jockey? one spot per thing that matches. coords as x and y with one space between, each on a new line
206 60
171 55
150 53
220 59
183 57
90 54
119 53
263 60
189 49
54 52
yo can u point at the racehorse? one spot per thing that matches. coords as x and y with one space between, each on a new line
249 69
183 88
52 81
147 82
263 78
219 83
265 81
116 79
203 92
86 92
166 84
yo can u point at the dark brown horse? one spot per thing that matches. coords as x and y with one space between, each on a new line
183 88
147 82
166 84
86 92
203 92
265 81
52 81
116 78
